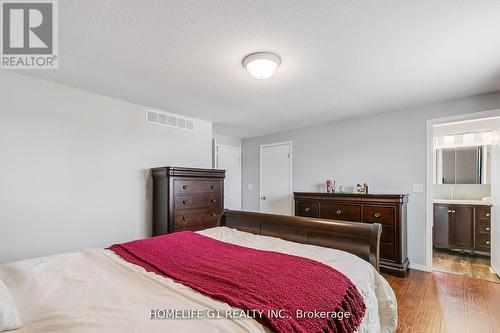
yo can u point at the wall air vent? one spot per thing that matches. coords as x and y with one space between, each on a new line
169 119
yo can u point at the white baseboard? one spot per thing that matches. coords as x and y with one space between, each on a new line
419 267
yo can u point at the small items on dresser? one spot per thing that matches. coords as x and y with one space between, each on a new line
186 199
330 186
360 189
344 189
363 189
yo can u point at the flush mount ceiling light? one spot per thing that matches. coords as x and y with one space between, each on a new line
261 65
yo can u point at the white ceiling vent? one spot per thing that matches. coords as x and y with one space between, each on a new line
169 119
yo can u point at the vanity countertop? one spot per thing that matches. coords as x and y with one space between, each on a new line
462 202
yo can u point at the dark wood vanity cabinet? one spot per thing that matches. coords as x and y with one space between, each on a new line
441 226
482 229
186 199
463 227
388 210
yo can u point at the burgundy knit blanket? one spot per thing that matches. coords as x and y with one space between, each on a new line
284 287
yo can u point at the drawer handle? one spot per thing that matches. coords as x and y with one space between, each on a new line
185 202
214 201
185 218
487 229
212 187
377 215
488 214
214 214
339 211
307 209
184 187
488 242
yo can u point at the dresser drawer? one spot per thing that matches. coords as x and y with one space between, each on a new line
387 251
484 226
307 209
197 201
340 212
196 186
196 217
378 214
483 242
196 227
483 212
387 234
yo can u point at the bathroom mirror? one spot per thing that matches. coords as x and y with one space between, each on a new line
462 165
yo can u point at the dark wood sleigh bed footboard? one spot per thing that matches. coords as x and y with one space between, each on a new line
359 239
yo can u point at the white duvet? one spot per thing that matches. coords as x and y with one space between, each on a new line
97 291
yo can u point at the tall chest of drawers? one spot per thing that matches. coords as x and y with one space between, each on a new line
387 209
186 199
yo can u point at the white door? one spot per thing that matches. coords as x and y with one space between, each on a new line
229 159
276 178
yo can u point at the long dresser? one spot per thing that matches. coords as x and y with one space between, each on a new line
387 209
186 199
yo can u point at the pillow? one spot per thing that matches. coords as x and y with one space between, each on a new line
9 318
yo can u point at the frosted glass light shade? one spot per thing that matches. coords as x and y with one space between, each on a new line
261 65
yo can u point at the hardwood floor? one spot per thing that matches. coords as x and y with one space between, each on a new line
446 303
477 266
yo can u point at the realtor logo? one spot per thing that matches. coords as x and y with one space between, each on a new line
29 34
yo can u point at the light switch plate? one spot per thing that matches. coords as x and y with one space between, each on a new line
418 188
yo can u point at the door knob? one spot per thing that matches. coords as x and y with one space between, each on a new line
307 209
339 211
377 215
488 214
262 198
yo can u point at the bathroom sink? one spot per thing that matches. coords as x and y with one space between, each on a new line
462 202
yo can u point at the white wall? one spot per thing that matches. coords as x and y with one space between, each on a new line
74 167
227 140
385 150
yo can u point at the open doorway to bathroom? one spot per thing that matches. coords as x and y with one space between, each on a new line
465 189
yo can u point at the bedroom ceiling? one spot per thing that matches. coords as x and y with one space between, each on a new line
340 59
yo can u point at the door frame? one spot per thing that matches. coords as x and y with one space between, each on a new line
216 165
429 172
290 144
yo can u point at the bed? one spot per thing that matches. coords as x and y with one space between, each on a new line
97 291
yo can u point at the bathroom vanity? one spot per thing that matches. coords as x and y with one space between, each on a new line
462 224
